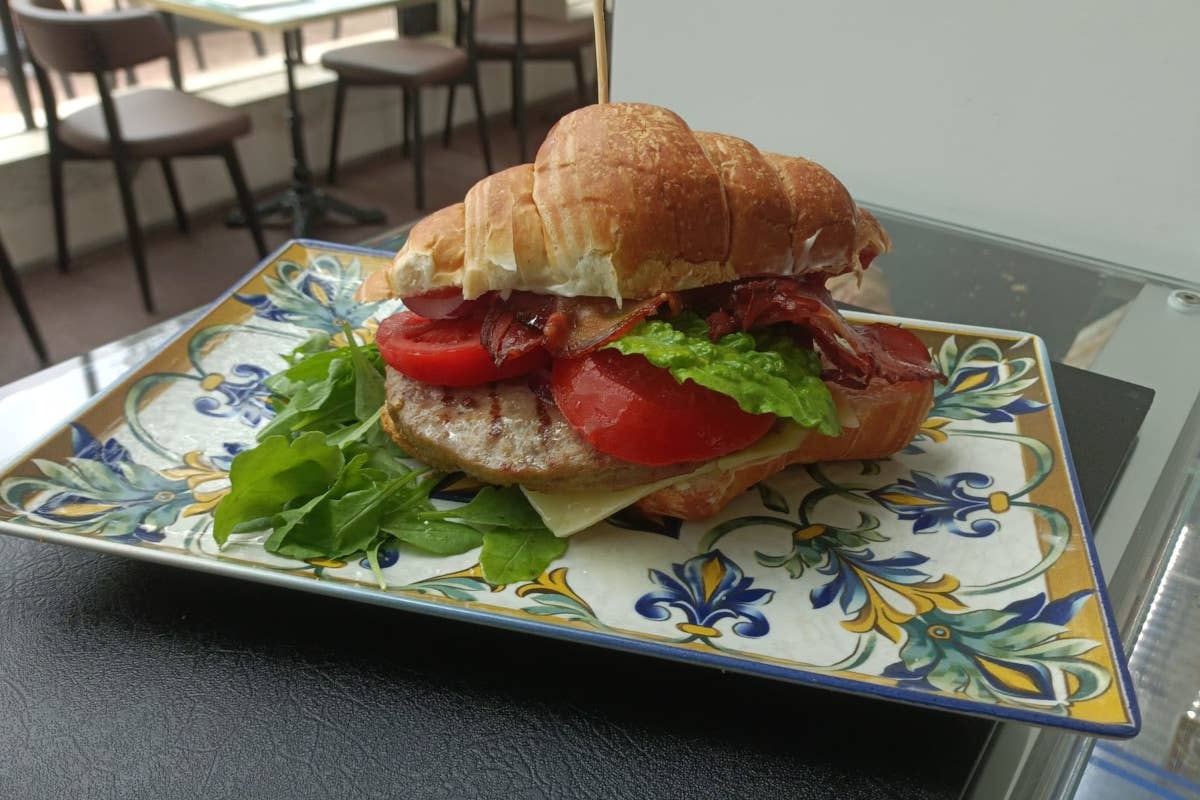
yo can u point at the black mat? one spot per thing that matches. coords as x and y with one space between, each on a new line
125 679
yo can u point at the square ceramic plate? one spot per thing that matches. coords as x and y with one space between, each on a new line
958 574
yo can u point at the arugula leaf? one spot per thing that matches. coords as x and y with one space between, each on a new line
317 343
382 456
355 433
372 554
277 472
436 536
327 389
336 524
504 507
317 405
512 555
765 372
340 485
517 545
302 374
350 478
369 392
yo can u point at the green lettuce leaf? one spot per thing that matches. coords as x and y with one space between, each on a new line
765 372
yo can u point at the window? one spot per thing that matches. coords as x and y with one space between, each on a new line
208 54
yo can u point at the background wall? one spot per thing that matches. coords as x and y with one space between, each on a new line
1073 124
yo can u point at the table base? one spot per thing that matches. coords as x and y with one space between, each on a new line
306 207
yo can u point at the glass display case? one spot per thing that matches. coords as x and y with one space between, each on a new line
1095 316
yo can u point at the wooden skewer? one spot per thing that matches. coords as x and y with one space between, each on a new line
601 51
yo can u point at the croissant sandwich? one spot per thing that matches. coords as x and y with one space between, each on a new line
641 315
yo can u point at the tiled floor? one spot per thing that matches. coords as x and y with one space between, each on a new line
98 301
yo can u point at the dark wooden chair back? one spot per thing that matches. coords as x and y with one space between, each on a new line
72 42
464 24
68 41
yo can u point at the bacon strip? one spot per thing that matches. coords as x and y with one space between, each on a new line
569 327
857 352
566 326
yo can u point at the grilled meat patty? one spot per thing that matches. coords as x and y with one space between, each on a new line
504 433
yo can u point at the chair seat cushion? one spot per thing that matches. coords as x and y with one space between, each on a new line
156 123
400 62
543 36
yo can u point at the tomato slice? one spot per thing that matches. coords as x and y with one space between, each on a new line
446 352
445 303
629 408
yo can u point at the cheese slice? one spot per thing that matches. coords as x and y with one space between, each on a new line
566 513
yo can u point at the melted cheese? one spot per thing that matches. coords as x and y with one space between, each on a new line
566 513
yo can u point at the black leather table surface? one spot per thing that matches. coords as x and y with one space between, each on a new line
125 679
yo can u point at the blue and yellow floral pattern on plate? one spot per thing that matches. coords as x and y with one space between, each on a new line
958 574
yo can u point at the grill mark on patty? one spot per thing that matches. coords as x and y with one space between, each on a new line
536 447
497 427
544 422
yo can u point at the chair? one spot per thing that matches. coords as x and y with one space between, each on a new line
8 276
519 37
412 64
159 124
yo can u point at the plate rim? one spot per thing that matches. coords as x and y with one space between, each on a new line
746 665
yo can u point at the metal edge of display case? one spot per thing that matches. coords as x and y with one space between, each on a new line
1065 256
1135 535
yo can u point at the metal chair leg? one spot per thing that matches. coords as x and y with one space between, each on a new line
168 171
406 123
339 105
481 123
134 231
8 275
198 52
59 201
516 90
244 198
519 106
580 84
449 115
417 149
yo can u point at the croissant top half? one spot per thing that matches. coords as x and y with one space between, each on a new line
624 200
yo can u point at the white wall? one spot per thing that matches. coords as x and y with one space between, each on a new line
1074 123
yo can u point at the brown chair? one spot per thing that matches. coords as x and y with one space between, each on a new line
12 284
412 64
520 37
159 124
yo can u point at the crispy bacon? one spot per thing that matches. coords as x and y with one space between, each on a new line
569 327
566 326
505 336
857 353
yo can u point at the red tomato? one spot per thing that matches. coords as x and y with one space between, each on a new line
446 352
445 303
629 408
